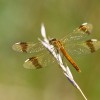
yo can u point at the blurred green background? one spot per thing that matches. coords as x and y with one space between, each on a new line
20 20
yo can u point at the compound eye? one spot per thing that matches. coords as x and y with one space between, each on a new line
54 39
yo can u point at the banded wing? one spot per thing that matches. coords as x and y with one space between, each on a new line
80 33
37 62
28 47
77 42
34 62
89 46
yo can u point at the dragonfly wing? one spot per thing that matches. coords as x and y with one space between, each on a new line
40 61
79 33
28 47
32 63
81 48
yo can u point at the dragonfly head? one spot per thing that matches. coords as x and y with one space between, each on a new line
52 41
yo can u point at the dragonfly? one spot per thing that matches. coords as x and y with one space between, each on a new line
76 42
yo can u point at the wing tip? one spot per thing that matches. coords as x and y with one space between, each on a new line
32 63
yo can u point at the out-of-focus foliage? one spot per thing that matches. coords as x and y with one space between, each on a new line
20 20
